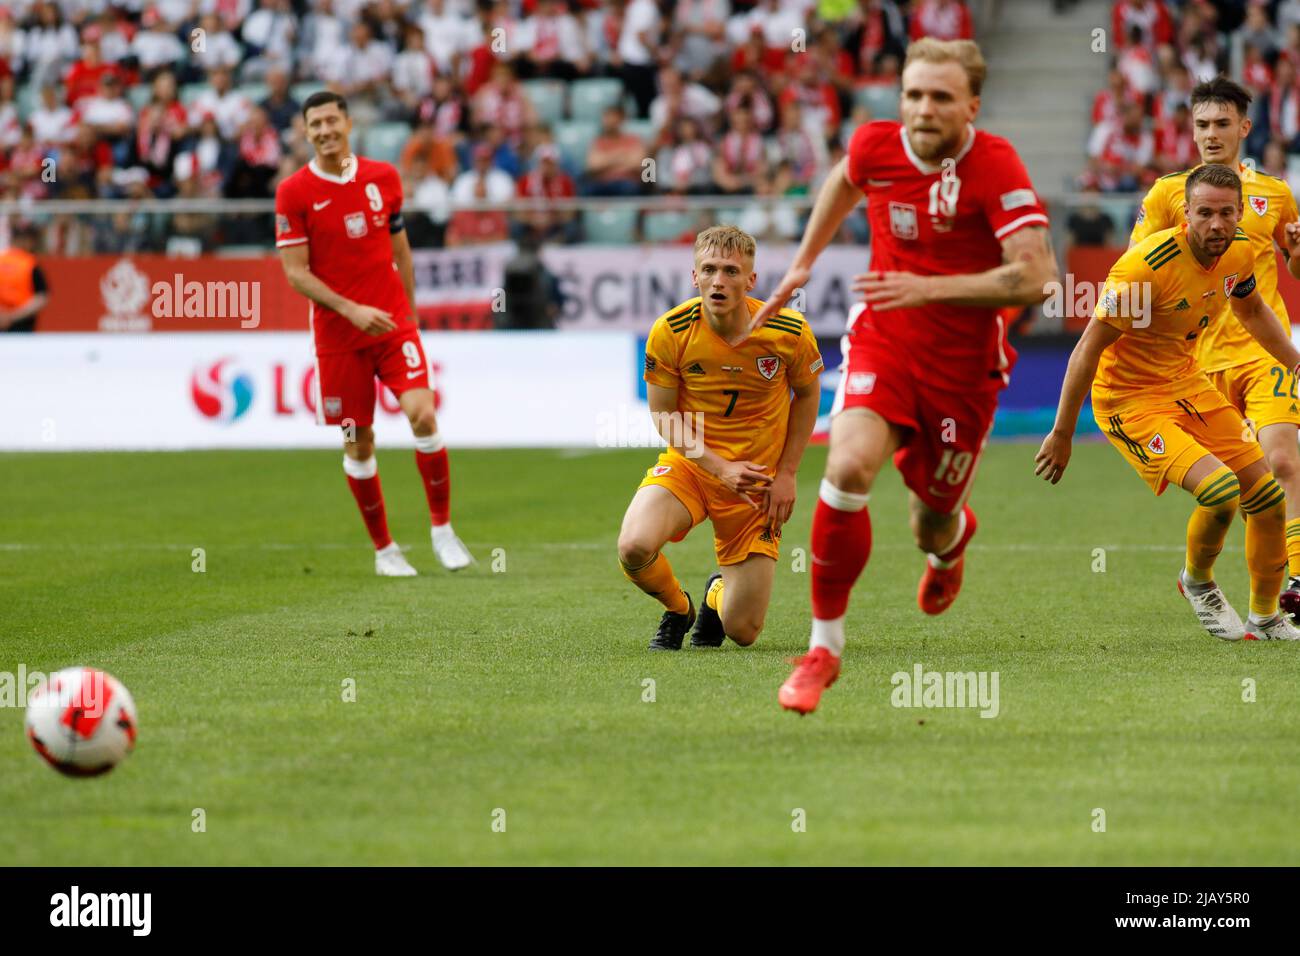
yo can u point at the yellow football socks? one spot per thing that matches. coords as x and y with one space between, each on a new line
1293 546
1266 544
1216 498
656 579
714 598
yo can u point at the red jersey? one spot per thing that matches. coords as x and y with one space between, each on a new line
927 222
347 221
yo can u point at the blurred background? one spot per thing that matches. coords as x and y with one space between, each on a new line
557 158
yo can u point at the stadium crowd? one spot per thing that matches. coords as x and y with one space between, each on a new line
491 100
1160 50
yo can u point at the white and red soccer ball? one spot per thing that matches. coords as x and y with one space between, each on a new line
81 721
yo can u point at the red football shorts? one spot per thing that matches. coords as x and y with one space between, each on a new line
944 432
345 381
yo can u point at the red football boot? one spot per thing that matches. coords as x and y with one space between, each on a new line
940 586
813 673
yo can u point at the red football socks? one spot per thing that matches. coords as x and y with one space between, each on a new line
841 544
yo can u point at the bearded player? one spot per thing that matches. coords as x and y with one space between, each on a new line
957 232
737 407
342 243
1239 367
1159 409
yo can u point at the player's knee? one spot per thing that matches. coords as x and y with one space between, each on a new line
744 630
850 471
634 550
423 420
932 531
1265 502
1284 463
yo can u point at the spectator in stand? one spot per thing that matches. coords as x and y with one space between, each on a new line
268 36
219 47
24 290
87 161
1120 154
428 204
111 117
615 159
26 162
1284 107
434 151
1148 17
1256 74
1175 147
638 51
1137 64
1177 92
86 75
547 180
775 21
699 39
156 47
1258 32
553 44
943 20
387 24
747 89
11 129
208 160
1108 103
224 102
114 32
740 166
160 131
257 160
1274 160
1088 224
12 42
448 36
821 103
879 30
1291 47
481 183
603 27
801 155
413 70
502 103
52 123
324 38
445 108
684 164
1288 14
50 45
677 99
361 74
280 106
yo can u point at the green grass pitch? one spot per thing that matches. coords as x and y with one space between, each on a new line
521 689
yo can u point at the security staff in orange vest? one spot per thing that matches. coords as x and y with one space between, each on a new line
23 289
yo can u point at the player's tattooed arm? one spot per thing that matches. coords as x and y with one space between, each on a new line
1028 268
367 318
1262 323
1054 455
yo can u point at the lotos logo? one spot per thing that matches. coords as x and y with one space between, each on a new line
221 394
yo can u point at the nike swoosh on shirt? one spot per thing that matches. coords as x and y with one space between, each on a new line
415 373
318 206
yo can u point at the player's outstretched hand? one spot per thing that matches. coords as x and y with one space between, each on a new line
370 320
744 478
778 501
1052 457
892 290
796 278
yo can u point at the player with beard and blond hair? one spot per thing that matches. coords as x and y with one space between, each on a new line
957 232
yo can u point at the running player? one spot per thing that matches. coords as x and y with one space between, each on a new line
338 226
1159 409
957 231
720 394
1239 366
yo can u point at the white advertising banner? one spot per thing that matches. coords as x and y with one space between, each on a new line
254 390
628 287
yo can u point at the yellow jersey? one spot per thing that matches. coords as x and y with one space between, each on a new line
1268 207
1163 301
742 391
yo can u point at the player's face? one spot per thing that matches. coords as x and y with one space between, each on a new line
936 107
1212 217
328 129
723 280
1218 130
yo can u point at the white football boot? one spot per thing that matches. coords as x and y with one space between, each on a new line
1276 628
390 563
451 551
1214 612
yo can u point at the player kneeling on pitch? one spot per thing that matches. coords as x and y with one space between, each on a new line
721 396
1159 409
338 226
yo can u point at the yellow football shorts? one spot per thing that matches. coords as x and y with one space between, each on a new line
1164 441
739 530
1263 391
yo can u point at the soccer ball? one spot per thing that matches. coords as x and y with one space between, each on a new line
82 721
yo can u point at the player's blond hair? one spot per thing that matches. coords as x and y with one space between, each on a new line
726 241
965 53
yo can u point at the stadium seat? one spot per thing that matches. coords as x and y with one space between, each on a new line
139 96
615 226
881 100
589 97
191 92
667 226
384 141
574 138
254 92
547 97
1122 212
27 99
641 127
728 215
300 91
